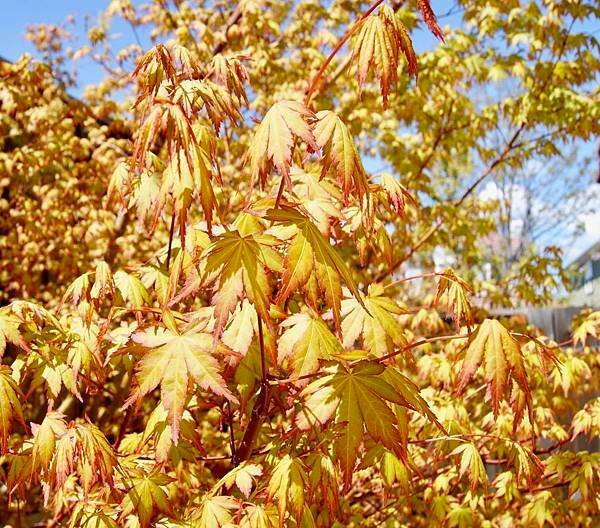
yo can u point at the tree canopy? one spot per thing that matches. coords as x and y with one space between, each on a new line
244 280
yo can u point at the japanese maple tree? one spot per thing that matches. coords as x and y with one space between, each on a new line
208 319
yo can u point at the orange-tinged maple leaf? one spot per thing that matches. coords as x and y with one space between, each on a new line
239 263
590 326
182 183
288 482
456 291
409 393
471 464
242 476
274 139
10 405
527 464
374 320
363 405
155 66
339 151
215 511
83 450
396 193
306 340
231 73
377 47
52 427
501 354
146 496
173 361
241 328
359 399
9 331
311 253
430 18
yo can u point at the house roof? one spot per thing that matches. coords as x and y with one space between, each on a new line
592 253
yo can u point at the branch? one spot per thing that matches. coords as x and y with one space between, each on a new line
501 158
413 277
259 410
231 21
436 143
417 344
401 350
171 234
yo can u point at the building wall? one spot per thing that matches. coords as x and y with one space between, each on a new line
586 295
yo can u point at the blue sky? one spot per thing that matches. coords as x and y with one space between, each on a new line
18 14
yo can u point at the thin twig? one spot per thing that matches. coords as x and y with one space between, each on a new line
171 233
413 277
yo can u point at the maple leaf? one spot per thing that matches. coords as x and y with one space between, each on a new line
216 100
242 476
377 46
83 450
154 66
238 262
363 395
131 288
306 341
231 73
374 320
324 478
9 331
590 326
172 360
410 395
320 403
45 435
241 328
10 405
274 139
188 173
319 197
288 483
587 420
159 429
170 116
396 193
83 517
339 151
493 344
430 18
456 291
308 253
260 516
215 512
103 282
471 463
394 471
527 464
146 497
77 290
359 399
